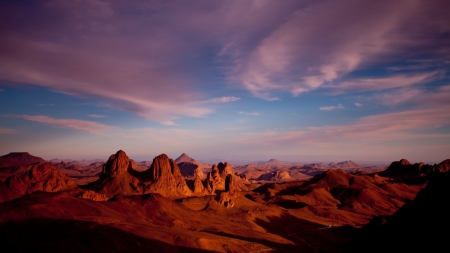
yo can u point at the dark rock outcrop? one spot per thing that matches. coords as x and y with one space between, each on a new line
403 169
16 159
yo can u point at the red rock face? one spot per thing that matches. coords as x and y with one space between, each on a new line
44 177
225 169
215 179
166 178
116 165
443 166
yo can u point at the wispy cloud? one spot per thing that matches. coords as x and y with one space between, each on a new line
390 126
331 108
249 113
358 104
414 96
306 52
221 100
380 83
82 125
7 131
2 90
96 116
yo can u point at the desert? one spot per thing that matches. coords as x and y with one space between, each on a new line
224 126
160 210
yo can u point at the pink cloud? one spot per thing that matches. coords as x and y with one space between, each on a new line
82 125
96 116
380 83
221 100
390 126
6 130
322 42
331 108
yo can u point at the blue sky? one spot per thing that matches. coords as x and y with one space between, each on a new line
301 81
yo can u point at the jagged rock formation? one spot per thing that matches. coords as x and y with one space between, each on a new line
44 177
225 169
118 176
219 173
228 197
92 195
116 165
215 179
163 177
166 178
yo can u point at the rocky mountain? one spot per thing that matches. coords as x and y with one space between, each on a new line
185 158
347 197
44 177
17 163
166 178
119 177
16 159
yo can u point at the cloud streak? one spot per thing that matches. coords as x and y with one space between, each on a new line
221 100
331 108
82 125
7 131
390 126
96 116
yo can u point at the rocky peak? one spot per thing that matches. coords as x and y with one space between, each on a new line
214 178
225 169
184 158
228 197
166 178
116 165
404 162
162 165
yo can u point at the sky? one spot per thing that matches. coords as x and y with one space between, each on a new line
298 81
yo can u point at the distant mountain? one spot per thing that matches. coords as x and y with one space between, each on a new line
16 159
83 162
345 165
185 158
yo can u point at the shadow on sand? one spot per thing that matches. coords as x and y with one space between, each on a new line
50 235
